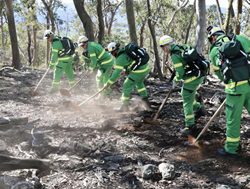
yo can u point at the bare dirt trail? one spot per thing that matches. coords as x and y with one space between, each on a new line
102 148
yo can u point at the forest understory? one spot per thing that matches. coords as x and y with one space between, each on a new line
99 147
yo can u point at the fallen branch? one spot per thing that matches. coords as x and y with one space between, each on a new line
8 163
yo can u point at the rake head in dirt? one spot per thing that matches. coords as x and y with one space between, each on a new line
34 92
65 92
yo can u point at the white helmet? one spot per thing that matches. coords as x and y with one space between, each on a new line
82 39
47 34
212 30
166 40
112 46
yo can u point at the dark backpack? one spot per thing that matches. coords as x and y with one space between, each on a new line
197 64
234 64
136 53
68 47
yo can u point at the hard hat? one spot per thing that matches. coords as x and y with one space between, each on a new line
166 40
82 39
112 46
47 34
214 30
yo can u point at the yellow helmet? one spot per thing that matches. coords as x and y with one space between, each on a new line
166 40
112 46
82 39
213 30
47 34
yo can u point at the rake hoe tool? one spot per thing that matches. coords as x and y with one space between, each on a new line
66 92
34 91
78 106
164 102
209 122
93 96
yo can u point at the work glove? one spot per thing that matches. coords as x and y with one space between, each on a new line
175 82
52 65
107 85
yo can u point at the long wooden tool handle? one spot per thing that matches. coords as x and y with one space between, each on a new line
209 122
162 104
42 79
76 84
94 95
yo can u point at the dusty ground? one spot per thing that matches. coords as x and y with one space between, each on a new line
102 148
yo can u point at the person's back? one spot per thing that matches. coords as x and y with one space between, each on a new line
237 90
191 79
60 62
135 67
98 55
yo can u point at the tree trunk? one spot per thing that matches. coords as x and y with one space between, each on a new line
152 31
85 18
184 3
50 14
201 24
100 21
219 13
29 45
1 22
142 32
226 26
35 47
13 36
190 23
238 18
131 20
109 22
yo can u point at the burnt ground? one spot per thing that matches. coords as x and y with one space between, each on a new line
99 147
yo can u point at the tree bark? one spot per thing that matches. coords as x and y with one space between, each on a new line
13 36
238 18
35 47
219 13
190 23
50 14
201 25
230 6
112 18
152 31
29 45
131 20
85 18
100 21
2 30
174 14
142 32
8 163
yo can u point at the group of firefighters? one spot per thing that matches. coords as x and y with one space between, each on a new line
115 61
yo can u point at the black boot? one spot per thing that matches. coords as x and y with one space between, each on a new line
200 112
189 130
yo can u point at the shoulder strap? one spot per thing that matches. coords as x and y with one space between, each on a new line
121 51
177 49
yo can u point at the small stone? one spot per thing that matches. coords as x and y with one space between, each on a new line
167 171
149 171
222 186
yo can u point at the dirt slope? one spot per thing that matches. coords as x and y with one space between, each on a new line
102 148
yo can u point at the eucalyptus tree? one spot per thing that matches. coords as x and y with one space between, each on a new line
85 18
13 36
201 24
131 20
